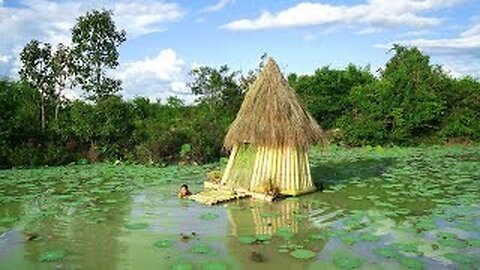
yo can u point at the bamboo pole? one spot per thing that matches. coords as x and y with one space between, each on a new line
231 160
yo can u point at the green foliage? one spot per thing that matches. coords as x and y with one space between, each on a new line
404 106
325 93
95 42
412 102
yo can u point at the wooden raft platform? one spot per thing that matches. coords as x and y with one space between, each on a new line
217 193
212 196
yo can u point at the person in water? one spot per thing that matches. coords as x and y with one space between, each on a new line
184 192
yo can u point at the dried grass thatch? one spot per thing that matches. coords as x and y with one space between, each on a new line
271 115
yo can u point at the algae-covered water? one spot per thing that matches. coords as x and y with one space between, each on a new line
395 208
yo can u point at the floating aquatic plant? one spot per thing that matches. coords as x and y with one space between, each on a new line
459 258
387 252
182 266
136 226
410 263
163 243
247 239
214 266
52 255
303 254
347 262
201 248
209 216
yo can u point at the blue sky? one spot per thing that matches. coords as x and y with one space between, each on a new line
167 38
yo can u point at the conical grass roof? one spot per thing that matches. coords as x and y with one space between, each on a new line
271 115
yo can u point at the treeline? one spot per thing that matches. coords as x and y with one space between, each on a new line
410 102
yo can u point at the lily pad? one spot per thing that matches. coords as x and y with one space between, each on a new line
263 237
201 249
303 254
459 258
387 252
318 236
346 262
474 243
163 243
247 239
410 263
349 239
285 233
136 226
456 243
182 266
409 248
338 233
213 266
52 255
5 220
369 237
209 216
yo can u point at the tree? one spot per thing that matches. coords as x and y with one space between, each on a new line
37 69
217 87
61 62
403 107
95 42
325 92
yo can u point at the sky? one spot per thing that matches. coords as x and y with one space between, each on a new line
166 39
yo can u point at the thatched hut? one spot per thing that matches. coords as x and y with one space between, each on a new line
270 137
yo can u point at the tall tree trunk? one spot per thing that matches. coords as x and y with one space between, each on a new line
57 106
42 108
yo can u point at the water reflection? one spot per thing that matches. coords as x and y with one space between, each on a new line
89 230
249 218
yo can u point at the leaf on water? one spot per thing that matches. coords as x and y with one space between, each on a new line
136 226
5 220
263 237
349 239
474 243
318 236
369 237
455 243
209 216
283 250
337 233
346 262
409 248
446 235
410 263
201 249
387 252
284 233
182 266
163 243
247 239
426 224
459 258
303 254
52 255
213 266
468 226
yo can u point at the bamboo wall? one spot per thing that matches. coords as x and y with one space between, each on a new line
287 167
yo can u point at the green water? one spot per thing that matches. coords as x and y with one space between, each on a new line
413 208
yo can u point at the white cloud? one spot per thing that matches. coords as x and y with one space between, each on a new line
373 13
5 58
221 4
459 54
51 21
155 77
467 43
414 33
